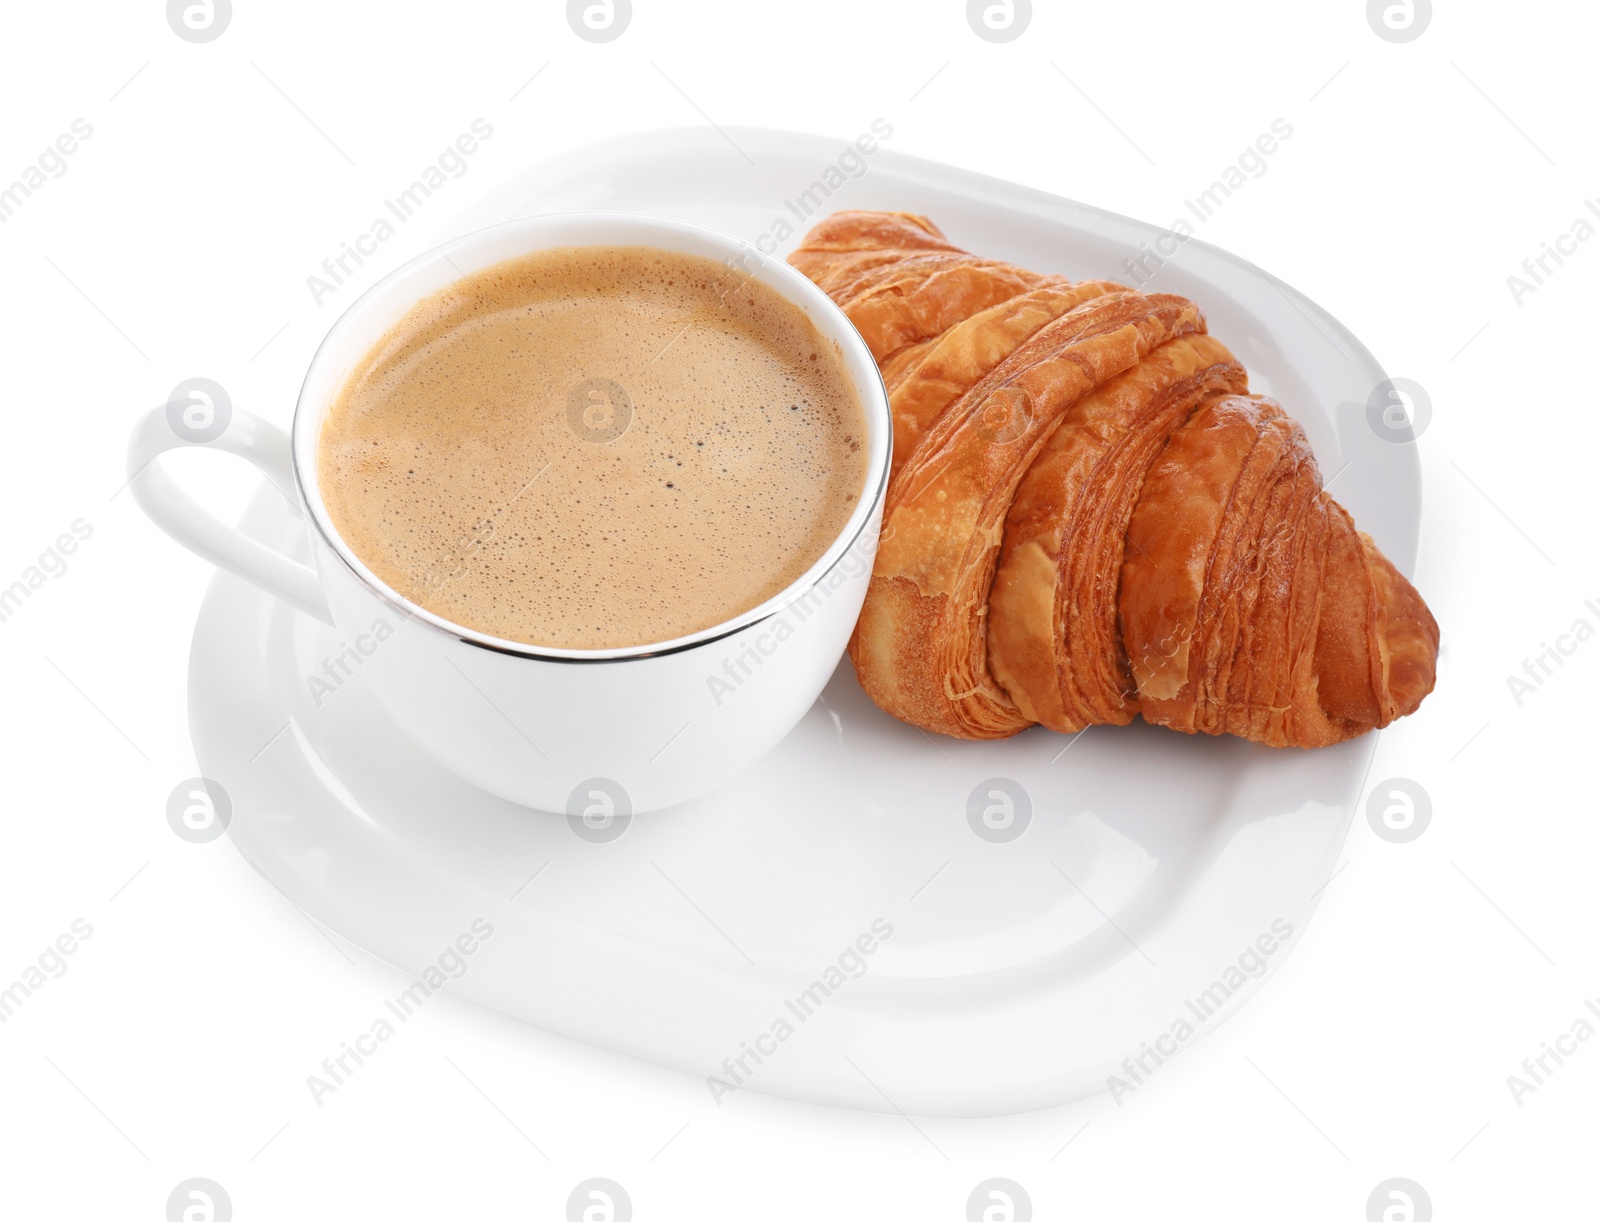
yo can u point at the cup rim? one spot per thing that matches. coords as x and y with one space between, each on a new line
791 284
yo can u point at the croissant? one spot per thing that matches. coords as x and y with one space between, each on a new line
1089 518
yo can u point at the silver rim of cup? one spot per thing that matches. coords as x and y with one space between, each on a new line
873 393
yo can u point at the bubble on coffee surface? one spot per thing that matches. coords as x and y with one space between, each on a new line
459 468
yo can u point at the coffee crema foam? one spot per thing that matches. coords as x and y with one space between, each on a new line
595 447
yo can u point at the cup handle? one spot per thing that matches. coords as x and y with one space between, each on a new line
250 437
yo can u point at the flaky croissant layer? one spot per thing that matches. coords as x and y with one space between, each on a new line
1090 519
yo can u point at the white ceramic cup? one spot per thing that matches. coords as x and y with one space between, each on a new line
595 733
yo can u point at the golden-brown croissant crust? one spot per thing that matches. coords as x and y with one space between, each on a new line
1089 519
1250 603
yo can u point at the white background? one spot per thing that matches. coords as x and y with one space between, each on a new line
177 244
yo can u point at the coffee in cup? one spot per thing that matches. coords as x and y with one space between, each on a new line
595 447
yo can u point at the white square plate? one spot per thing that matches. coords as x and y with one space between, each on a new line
1155 881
